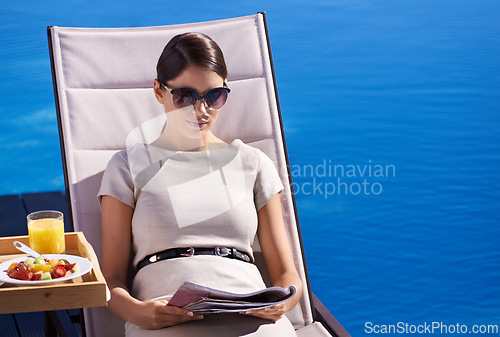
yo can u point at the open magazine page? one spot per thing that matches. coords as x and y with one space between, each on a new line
206 300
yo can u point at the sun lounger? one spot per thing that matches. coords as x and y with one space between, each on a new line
103 88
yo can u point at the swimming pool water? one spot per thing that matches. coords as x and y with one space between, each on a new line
391 117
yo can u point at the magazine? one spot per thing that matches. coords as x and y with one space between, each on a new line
204 300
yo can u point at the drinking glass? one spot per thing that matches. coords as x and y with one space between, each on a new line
46 232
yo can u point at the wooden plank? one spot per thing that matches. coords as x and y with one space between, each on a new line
8 326
56 297
61 323
30 324
48 201
7 249
14 208
12 216
76 316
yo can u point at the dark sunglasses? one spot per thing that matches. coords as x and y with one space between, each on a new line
187 98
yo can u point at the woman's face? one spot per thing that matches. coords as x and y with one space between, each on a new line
197 121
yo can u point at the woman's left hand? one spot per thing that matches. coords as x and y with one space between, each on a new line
273 313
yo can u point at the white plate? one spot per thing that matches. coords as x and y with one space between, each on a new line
85 267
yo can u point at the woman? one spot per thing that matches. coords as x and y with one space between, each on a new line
190 189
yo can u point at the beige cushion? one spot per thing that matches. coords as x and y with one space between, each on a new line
104 79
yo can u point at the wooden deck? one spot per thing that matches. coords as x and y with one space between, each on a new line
13 211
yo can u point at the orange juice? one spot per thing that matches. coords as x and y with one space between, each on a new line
47 236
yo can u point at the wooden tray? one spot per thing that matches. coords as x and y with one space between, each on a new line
86 291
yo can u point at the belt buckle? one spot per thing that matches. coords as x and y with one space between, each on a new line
218 252
190 252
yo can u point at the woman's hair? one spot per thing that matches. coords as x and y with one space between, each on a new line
188 49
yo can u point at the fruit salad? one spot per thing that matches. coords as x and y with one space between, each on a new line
41 269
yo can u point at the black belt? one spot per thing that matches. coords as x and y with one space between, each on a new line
231 253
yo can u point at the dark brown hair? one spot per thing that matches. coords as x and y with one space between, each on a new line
188 49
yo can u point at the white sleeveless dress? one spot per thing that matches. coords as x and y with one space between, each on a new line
204 199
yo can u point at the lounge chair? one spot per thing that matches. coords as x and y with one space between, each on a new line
103 83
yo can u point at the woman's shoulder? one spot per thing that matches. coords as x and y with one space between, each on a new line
245 148
125 158
118 157
249 152
133 153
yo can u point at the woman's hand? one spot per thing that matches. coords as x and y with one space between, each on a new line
273 313
157 315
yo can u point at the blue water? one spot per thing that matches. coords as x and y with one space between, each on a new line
405 92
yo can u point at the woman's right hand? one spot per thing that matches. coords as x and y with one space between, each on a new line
157 315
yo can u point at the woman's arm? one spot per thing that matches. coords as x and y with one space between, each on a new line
116 243
273 241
